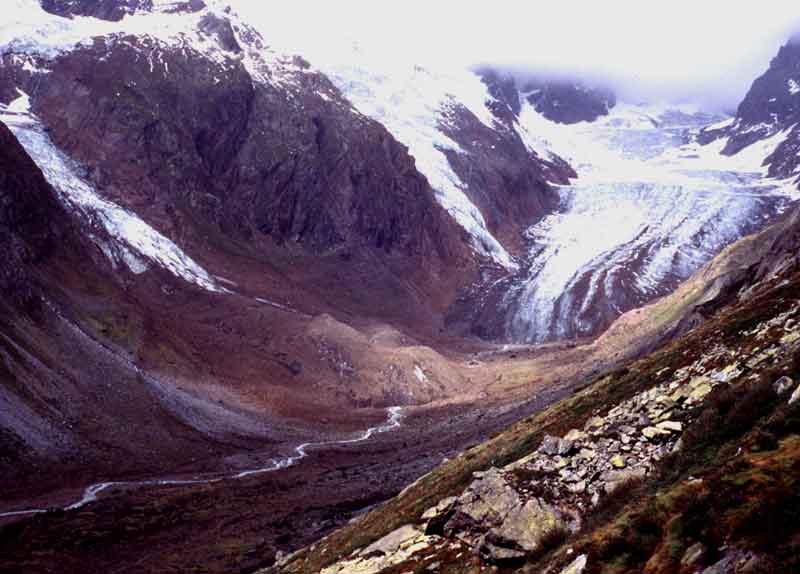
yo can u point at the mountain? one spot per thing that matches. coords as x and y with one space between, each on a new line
769 113
629 473
252 294
561 101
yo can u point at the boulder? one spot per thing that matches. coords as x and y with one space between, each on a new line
556 446
795 396
394 548
593 423
654 433
575 435
392 541
783 385
670 426
693 554
613 479
524 530
494 518
731 562
549 445
700 392
437 516
577 566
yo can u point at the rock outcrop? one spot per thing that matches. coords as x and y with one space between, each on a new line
513 513
502 525
568 102
116 9
31 220
560 100
770 110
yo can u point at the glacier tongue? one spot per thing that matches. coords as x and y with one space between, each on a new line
131 242
647 210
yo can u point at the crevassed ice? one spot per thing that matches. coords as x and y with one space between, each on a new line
134 243
647 210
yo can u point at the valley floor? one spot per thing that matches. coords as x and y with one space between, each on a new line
239 525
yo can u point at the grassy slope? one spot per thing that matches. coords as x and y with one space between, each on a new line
596 396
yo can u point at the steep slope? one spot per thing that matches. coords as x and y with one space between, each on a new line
771 109
30 222
216 140
52 370
463 142
715 410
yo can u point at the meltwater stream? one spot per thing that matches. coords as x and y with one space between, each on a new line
393 420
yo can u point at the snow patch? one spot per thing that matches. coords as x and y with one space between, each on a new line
794 87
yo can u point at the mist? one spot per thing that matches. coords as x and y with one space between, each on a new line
705 52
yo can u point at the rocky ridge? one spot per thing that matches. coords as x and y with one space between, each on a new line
771 109
539 507
512 513
563 101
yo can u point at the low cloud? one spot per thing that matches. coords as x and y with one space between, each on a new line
687 50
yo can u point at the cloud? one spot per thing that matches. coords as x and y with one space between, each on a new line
705 50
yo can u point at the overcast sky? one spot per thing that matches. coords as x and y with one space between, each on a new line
688 50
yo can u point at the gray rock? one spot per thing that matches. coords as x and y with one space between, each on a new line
782 385
556 446
654 433
613 479
693 554
550 445
593 423
526 527
670 426
437 516
575 435
730 563
577 566
493 517
795 396
392 541
577 488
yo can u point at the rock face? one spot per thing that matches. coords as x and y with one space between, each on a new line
493 517
559 100
31 220
509 183
771 109
772 103
568 102
243 156
116 9
214 139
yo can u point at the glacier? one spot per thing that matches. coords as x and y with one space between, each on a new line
650 206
